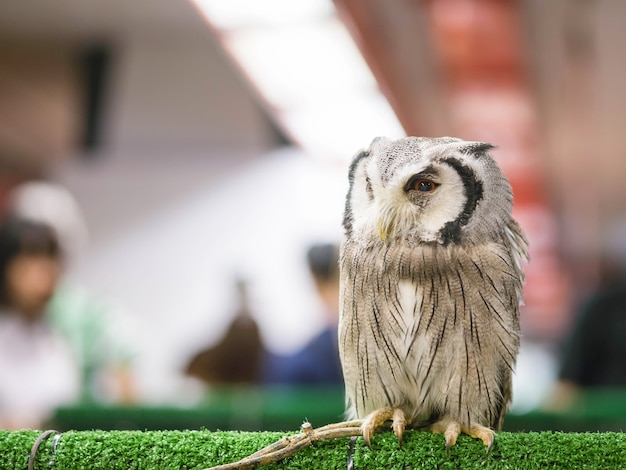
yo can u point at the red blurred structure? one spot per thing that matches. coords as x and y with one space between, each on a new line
479 91
480 51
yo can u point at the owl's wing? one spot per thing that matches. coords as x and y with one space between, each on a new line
499 289
506 389
518 242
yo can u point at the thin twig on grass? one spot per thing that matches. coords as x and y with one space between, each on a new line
289 445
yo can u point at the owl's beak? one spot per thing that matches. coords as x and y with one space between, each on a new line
383 229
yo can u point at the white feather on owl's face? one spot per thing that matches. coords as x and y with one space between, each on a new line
428 189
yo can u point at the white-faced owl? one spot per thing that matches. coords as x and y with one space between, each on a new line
431 284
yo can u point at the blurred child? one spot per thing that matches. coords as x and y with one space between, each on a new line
100 337
37 369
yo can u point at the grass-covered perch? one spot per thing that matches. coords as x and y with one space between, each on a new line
201 449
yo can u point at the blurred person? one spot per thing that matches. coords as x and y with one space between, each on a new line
37 368
236 358
99 336
594 350
317 363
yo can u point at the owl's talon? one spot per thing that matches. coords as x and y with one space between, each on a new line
367 438
483 433
399 436
488 446
379 417
373 421
451 431
399 424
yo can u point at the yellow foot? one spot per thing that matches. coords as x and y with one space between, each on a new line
377 418
452 429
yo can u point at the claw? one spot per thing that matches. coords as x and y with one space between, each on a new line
484 434
367 436
373 421
377 418
449 429
488 448
452 429
399 423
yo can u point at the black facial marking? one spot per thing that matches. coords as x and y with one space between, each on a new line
451 232
368 188
348 217
427 173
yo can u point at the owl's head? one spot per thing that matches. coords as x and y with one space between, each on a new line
443 190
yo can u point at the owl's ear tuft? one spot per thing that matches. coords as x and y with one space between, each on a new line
479 148
379 142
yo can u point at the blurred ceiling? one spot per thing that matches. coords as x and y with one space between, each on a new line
85 20
542 80
42 88
571 48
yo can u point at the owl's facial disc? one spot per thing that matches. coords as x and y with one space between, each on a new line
422 203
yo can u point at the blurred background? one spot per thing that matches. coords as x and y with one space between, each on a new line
192 155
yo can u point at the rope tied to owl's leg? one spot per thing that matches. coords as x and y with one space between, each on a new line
289 445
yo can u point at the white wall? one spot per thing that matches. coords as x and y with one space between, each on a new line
188 192
174 269
177 93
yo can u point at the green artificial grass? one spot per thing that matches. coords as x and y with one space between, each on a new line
421 450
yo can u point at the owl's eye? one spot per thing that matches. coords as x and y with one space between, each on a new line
424 186
421 184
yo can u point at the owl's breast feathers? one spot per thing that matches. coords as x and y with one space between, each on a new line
431 328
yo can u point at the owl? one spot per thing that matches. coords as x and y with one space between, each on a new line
430 287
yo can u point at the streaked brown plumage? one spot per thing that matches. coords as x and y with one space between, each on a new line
431 282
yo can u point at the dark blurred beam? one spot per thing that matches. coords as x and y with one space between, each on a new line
391 38
95 65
